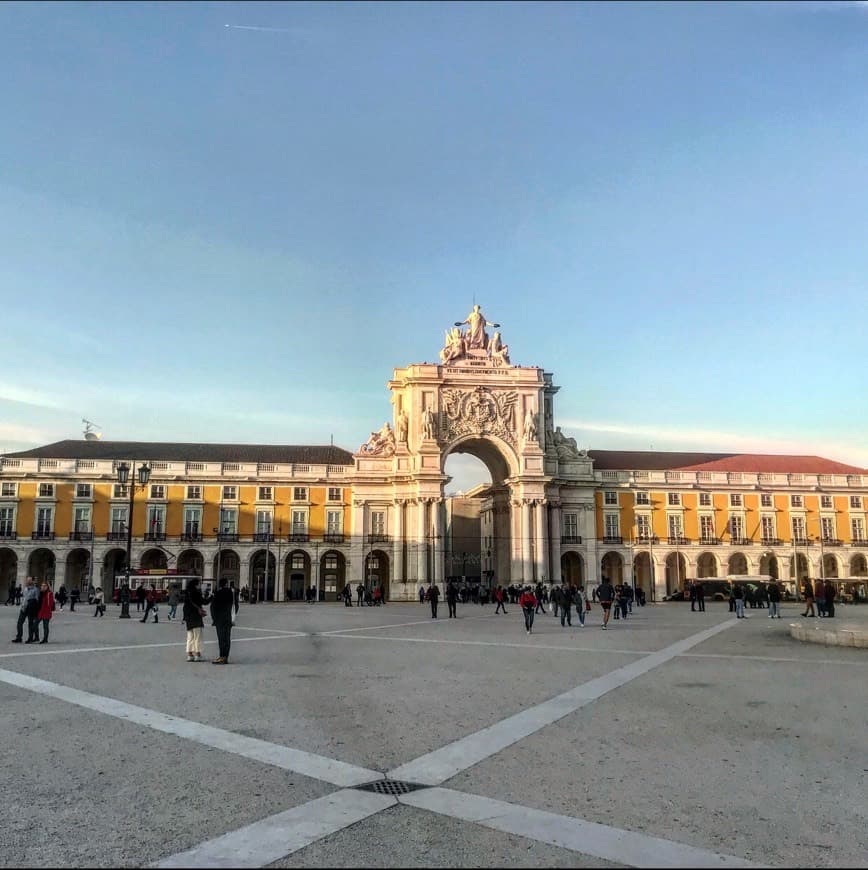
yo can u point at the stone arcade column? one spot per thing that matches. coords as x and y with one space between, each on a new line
526 532
438 538
421 540
540 542
516 561
397 573
555 541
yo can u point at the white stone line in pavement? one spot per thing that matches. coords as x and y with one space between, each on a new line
427 621
590 838
273 838
306 763
286 631
444 763
794 661
529 646
61 650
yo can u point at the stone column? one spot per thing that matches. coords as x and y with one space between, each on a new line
526 532
421 540
540 542
439 542
397 572
555 542
516 561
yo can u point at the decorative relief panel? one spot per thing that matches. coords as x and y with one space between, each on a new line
478 412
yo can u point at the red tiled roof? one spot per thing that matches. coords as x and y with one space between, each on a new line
768 463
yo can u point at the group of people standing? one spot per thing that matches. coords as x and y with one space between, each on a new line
36 609
821 594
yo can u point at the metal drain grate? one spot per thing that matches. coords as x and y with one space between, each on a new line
391 786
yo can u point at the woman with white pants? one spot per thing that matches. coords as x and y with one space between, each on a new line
194 610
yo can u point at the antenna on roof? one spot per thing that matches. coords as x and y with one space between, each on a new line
89 433
332 439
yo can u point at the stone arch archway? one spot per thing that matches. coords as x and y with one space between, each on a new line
263 573
706 566
332 572
572 569
191 562
227 563
642 575
858 566
113 563
377 570
676 572
612 568
831 567
297 574
77 569
41 565
770 565
153 559
738 564
8 572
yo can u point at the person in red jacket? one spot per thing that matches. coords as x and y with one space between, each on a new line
527 602
46 609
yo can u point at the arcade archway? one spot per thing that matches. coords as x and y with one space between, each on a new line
41 565
333 573
77 571
8 572
262 575
572 569
297 571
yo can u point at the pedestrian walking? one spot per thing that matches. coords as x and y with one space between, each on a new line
452 599
732 597
820 597
10 597
622 599
774 593
808 593
173 600
829 598
62 596
582 604
223 615
194 610
45 611
141 596
360 594
699 591
540 604
692 587
605 594
99 607
527 602
19 592
433 596
738 595
74 598
564 597
499 597
151 599
28 610
421 591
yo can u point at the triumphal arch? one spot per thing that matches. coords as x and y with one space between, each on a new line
477 401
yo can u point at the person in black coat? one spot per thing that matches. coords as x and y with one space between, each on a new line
222 611
433 595
194 610
452 599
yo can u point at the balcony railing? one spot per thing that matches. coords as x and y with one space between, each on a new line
333 538
678 541
155 536
741 542
859 542
832 542
116 536
193 537
571 539
377 538
6 535
612 539
262 537
298 537
771 542
42 536
801 542
81 536
709 542
227 536
647 539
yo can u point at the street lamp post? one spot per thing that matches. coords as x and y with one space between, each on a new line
144 475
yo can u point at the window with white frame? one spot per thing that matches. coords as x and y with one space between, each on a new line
81 519
827 528
736 527
612 525
263 522
826 501
7 522
673 498
676 526
571 525
156 519
735 499
299 493
158 490
705 499
856 502
334 522
7 489
192 521
643 526
46 490
230 493
299 522
297 562
194 492
768 528
857 530
266 493
799 528
118 520
706 527
796 501
120 491
766 500
228 520
378 522
335 493
83 490
44 516
610 498
643 498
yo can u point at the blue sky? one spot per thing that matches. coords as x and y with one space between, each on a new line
213 233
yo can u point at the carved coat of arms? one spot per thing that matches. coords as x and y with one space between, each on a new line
479 412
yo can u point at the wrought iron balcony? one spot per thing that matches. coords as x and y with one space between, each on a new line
832 542
379 539
740 542
333 538
571 539
194 537
116 536
298 537
42 536
612 539
771 542
6 535
709 542
262 537
678 541
81 536
227 536
801 542
155 536
859 542
647 539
